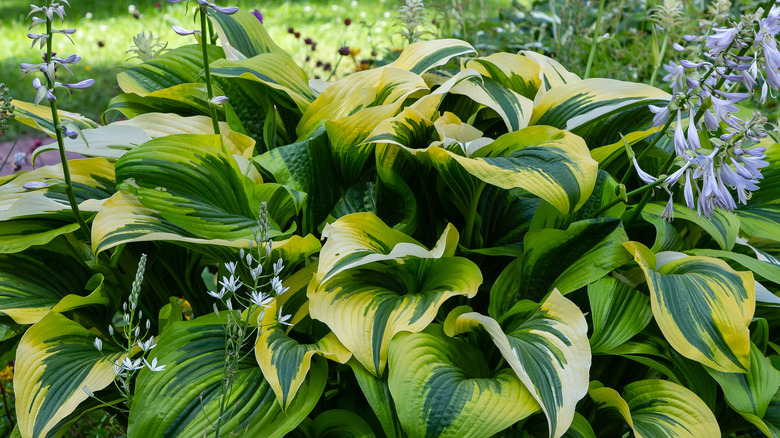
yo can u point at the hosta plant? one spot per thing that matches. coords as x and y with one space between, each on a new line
447 247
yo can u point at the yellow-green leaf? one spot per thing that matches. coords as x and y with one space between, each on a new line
702 306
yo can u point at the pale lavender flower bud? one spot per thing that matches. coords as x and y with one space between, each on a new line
86 83
691 83
184 32
710 121
38 38
218 100
733 97
673 178
693 135
688 64
111 330
688 191
71 134
87 391
225 10
772 61
676 75
668 213
661 115
689 38
36 21
680 145
34 185
677 47
644 176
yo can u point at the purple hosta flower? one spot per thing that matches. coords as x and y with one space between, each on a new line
38 38
66 32
668 213
258 14
772 61
218 100
739 183
676 76
43 92
722 39
661 115
70 133
688 191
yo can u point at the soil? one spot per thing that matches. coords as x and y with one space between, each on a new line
25 145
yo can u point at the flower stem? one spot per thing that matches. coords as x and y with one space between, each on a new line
660 57
646 198
617 201
595 40
60 145
204 40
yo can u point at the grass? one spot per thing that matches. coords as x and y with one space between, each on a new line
105 31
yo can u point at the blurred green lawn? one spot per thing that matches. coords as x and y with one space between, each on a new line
112 24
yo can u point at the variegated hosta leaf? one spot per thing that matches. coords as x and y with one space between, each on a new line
513 108
552 164
347 135
443 387
366 305
761 268
659 409
20 234
595 108
667 238
750 393
23 195
39 117
619 312
183 401
422 56
175 67
702 306
113 140
362 238
549 352
551 75
275 70
410 129
124 219
365 89
194 183
55 359
572 258
284 361
242 35
520 74
189 99
37 281
723 226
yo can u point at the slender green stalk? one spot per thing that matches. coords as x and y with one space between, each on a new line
617 201
646 198
660 57
61 146
204 40
11 151
595 40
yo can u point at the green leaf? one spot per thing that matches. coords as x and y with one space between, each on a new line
37 281
178 66
549 352
18 235
242 35
443 387
513 108
723 226
55 359
189 99
658 409
377 393
338 423
183 400
702 306
307 167
750 393
39 117
619 313
572 258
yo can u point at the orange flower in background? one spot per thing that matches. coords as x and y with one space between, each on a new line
353 51
7 374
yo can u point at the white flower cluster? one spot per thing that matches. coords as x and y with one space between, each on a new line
717 153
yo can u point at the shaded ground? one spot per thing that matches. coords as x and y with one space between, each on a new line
22 153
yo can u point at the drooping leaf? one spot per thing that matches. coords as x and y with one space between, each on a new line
702 306
658 409
55 359
183 400
178 66
284 361
443 387
549 352
422 56
39 117
242 35
722 226
520 74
